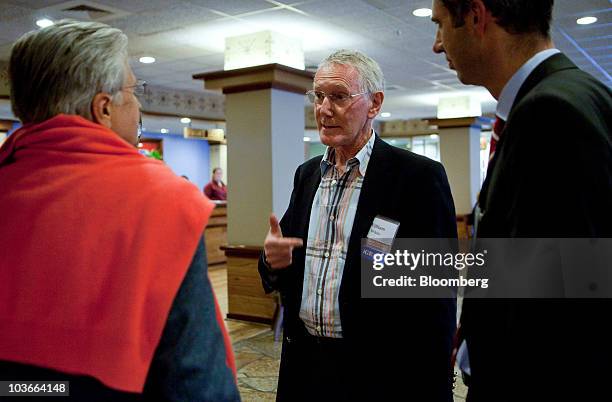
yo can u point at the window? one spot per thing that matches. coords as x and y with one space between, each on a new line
426 145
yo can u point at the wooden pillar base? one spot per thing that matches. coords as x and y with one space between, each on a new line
247 300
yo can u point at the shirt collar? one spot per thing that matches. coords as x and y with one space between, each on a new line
362 158
508 94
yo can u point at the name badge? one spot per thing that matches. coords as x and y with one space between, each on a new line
380 237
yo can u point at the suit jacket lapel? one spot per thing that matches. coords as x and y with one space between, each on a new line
372 194
310 185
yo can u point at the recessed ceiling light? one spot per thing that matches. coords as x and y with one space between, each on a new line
147 59
44 22
385 114
422 12
306 139
185 120
164 131
586 20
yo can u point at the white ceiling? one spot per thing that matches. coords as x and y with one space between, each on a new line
186 37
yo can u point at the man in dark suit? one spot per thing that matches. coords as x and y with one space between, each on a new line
338 346
550 177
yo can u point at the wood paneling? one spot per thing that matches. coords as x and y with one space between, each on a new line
453 123
6 125
246 298
216 235
238 330
258 77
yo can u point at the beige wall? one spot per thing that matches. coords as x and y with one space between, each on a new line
249 197
265 130
460 155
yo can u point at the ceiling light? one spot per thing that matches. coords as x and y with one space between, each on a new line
44 22
422 12
147 59
306 139
586 20
164 131
385 114
185 120
316 36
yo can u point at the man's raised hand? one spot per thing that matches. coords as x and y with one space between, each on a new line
278 249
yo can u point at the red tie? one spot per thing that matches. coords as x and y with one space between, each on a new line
498 129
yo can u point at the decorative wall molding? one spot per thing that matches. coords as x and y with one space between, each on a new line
401 128
205 105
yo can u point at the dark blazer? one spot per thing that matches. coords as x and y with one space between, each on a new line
400 347
551 178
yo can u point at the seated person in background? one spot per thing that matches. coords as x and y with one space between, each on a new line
216 189
103 274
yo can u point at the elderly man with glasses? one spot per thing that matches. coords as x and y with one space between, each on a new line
102 266
338 346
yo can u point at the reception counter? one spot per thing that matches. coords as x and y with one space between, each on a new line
216 234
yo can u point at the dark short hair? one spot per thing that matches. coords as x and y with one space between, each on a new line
215 170
515 16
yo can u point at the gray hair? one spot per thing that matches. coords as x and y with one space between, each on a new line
59 69
370 74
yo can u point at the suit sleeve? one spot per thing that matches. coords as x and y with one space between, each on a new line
191 360
560 158
270 278
442 219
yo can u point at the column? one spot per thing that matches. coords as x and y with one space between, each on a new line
460 155
264 109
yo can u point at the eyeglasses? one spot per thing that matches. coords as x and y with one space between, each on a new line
139 88
339 99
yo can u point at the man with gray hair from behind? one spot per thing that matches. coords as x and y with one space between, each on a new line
338 346
103 272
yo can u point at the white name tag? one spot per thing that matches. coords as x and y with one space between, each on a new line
383 230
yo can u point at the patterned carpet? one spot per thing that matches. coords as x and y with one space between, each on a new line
258 360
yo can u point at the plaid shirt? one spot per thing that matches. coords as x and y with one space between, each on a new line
329 231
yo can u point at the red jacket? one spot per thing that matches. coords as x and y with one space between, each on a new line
95 242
